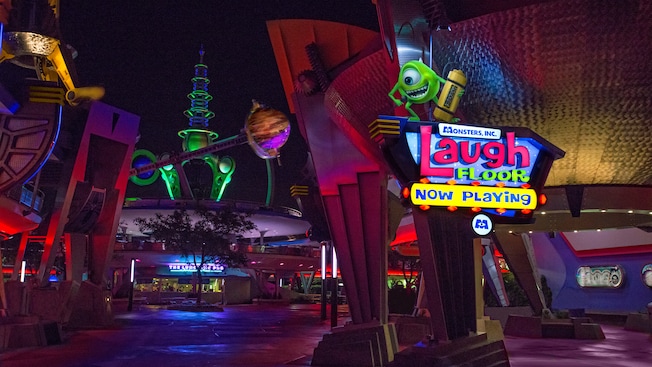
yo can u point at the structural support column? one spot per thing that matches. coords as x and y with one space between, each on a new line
20 255
98 175
514 249
446 249
75 255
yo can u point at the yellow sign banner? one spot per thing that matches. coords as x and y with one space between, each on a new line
473 196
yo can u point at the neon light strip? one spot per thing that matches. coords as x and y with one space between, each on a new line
191 268
334 272
323 261
133 268
22 271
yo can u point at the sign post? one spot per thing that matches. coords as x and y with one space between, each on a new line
461 180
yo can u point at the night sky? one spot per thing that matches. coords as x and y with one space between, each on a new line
143 52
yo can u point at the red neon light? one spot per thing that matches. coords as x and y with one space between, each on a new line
497 153
426 170
406 192
612 251
329 272
10 270
390 272
543 199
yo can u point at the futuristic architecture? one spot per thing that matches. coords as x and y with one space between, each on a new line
196 139
483 138
67 155
278 248
558 69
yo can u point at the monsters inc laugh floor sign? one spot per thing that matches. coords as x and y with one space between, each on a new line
498 171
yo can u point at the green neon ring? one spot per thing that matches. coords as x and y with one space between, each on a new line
144 181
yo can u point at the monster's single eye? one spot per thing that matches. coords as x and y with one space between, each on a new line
411 76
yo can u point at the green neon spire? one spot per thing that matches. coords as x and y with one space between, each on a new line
198 114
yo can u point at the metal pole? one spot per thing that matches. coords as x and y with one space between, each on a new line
23 290
131 285
334 297
323 280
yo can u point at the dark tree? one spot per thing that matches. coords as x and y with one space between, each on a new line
203 238
409 265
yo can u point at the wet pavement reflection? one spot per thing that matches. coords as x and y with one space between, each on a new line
272 335
152 336
620 348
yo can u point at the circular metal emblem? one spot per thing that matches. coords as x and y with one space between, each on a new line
482 224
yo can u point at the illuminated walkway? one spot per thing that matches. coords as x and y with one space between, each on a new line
620 349
241 335
270 335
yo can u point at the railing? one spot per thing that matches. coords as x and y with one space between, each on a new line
191 204
292 250
25 196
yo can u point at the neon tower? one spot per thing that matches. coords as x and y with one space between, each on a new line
197 138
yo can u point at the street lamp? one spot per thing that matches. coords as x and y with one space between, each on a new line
22 271
324 253
131 284
334 297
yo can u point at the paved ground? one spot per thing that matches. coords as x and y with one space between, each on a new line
620 349
277 335
241 335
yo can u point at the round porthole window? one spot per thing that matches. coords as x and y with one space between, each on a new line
646 275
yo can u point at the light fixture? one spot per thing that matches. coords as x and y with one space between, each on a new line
334 275
22 271
323 260
133 268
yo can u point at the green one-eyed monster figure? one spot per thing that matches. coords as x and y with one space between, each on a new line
417 83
